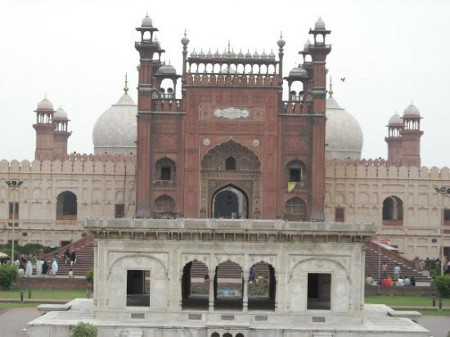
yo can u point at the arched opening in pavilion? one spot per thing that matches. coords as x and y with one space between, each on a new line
261 287
195 286
228 286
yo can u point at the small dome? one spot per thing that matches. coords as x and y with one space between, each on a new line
320 25
201 54
167 69
298 72
344 136
45 105
248 55
240 54
306 45
194 53
209 54
271 55
116 129
411 110
147 22
395 120
60 115
256 55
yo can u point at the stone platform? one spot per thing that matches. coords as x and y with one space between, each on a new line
378 320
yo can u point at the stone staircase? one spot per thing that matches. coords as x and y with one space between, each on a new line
84 249
377 255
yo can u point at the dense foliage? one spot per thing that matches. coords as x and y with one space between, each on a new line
84 330
90 276
8 275
442 284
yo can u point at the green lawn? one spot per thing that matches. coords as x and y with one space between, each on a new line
6 305
432 312
404 300
44 294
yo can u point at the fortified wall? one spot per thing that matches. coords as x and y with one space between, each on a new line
56 196
401 201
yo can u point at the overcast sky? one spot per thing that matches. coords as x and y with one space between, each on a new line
391 52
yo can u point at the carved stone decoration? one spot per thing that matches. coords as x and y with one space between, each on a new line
206 141
255 142
211 112
232 113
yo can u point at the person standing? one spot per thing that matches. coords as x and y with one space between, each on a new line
39 264
28 269
44 268
397 272
54 267
384 268
73 258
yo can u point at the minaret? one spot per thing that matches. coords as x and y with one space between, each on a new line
394 139
148 48
411 134
61 134
316 97
44 130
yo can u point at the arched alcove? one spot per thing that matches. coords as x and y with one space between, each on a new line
66 206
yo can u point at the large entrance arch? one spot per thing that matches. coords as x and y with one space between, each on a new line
230 182
230 203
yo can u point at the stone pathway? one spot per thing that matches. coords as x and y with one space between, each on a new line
439 326
13 322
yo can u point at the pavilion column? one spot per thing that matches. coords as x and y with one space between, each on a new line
211 292
245 294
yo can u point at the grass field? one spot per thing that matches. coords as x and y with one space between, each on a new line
44 294
411 301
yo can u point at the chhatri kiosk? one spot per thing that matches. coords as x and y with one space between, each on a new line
229 238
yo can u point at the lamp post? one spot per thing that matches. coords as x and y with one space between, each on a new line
14 185
444 191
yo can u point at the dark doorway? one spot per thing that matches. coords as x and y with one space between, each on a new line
230 203
319 291
138 288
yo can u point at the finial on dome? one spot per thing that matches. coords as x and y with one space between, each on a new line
125 88
185 40
330 92
281 42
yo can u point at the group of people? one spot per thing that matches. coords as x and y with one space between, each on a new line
397 280
42 267
70 257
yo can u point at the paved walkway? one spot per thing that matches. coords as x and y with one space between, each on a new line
439 326
13 322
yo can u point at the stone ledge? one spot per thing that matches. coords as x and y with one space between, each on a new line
103 227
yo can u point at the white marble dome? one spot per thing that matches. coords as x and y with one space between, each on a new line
116 129
44 105
146 21
320 25
343 133
411 110
395 120
60 115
